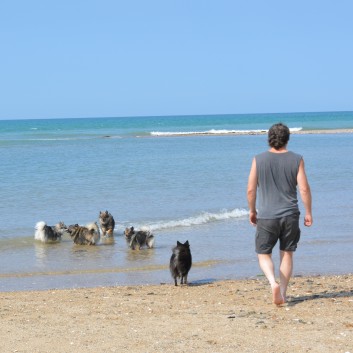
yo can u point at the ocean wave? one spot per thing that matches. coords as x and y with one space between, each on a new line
203 218
216 132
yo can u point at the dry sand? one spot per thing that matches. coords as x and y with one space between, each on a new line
227 316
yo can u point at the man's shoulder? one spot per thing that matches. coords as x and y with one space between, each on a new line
295 155
262 157
262 154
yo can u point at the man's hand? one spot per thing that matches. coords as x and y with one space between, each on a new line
253 218
308 220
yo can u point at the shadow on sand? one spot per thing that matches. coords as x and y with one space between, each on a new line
198 283
324 295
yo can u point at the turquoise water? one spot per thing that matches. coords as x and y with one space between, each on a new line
183 188
66 129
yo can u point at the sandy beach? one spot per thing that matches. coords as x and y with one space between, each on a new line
227 316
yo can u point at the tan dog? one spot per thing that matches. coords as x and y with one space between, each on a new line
88 235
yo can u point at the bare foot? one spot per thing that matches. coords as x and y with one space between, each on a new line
276 295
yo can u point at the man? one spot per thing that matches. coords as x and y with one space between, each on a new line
275 175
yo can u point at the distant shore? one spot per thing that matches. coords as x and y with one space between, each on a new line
257 132
226 316
333 131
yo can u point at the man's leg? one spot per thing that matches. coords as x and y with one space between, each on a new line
267 266
285 271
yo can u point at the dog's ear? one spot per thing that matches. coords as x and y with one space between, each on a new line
187 243
132 229
178 243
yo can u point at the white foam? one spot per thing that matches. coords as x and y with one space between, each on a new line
215 132
203 218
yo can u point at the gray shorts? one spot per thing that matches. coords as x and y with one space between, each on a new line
269 231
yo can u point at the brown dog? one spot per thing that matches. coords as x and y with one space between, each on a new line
107 223
88 235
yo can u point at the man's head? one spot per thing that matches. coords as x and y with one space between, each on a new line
278 136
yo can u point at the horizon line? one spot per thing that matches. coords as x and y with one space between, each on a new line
175 115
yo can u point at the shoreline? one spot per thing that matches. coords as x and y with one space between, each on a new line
225 316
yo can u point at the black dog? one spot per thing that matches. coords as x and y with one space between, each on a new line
180 262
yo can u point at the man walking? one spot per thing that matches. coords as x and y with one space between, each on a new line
274 176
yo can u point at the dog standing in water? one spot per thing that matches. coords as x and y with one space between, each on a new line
139 238
47 233
88 235
180 262
107 223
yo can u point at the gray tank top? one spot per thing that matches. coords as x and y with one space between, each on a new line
277 184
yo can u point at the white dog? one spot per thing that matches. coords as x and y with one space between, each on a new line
47 233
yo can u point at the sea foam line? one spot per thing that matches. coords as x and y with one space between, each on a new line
216 132
203 218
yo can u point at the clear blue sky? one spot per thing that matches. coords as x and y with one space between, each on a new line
90 58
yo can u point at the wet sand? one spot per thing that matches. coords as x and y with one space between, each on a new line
227 316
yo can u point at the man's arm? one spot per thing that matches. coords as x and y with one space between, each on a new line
251 193
305 193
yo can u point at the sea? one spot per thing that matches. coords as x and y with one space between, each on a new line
181 177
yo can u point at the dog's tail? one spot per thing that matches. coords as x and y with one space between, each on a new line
40 225
93 227
40 231
150 240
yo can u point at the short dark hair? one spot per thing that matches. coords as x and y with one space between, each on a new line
278 136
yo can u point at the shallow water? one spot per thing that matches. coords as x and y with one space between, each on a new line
222 250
